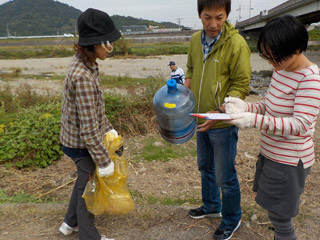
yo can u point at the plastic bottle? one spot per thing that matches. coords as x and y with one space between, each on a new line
172 104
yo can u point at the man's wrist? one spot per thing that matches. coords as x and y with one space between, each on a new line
219 110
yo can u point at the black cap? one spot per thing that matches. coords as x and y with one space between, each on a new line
95 26
171 63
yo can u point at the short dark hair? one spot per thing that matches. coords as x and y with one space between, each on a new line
202 4
282 37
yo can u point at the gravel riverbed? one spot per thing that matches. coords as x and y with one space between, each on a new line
154 66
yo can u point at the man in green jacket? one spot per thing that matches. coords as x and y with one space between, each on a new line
218 66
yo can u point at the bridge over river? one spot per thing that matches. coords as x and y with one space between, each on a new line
307 11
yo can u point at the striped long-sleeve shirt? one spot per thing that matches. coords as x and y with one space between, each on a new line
287 115
83 120
178 75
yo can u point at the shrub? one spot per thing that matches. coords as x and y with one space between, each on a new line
120 47
129 115
314 35
31 138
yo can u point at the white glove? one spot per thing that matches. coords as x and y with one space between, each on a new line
243 120
106 171
114 132
235 105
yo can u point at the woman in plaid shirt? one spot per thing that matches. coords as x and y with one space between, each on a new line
83 120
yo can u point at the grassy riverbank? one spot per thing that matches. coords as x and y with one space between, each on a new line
63 47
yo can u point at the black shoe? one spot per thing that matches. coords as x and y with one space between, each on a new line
218 234
199 213
228 232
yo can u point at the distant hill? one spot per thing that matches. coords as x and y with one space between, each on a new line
49 17
37 17
121 21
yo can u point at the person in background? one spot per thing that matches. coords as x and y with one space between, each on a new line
83 119
176 73
218 66
286 118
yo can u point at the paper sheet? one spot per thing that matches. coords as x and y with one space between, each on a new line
212 116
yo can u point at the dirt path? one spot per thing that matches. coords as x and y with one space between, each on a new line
151 182
39 222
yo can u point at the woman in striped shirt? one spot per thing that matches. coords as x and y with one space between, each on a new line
286 118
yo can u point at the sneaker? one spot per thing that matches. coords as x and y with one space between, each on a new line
199 213
65 229
103 237
218 234
227 233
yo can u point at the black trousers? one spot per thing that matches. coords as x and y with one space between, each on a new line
77 214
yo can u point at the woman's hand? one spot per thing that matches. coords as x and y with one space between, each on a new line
235 105
106 171
243 120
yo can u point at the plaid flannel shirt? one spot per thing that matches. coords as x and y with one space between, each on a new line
208 47
83 120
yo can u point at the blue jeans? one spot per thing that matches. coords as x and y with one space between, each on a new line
216 152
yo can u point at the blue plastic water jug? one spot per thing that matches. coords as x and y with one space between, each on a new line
172 104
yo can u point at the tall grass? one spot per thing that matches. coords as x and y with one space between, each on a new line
23 98
30 123
40 48
168 49
39 52
126 81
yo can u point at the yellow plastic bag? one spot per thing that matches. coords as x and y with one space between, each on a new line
111 194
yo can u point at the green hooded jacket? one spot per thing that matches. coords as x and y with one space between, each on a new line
225 72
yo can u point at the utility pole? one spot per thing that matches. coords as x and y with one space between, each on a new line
179 21
250 8
239 9
8 33
75 30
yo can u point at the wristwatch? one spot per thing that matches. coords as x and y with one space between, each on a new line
219 110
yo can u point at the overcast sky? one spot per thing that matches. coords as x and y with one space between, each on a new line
169 10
